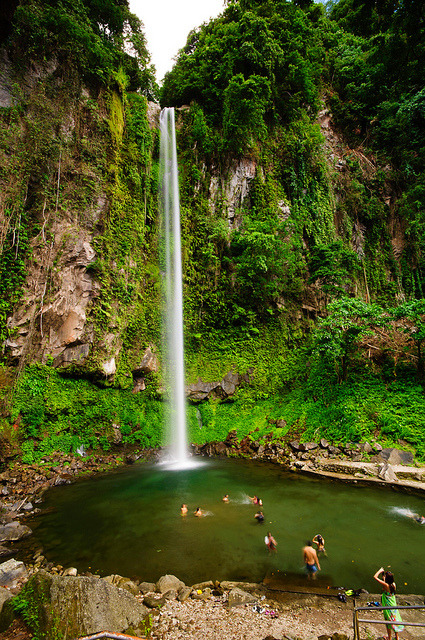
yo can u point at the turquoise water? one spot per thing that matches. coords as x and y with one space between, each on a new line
129 523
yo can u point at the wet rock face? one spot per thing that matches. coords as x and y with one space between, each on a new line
56 325
221 389
148 364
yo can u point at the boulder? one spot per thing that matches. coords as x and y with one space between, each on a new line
295 445
183 593
167 582
12 572
153 602
334 451
148 364
14 531
146 587
396 456
309 446
71 607
224 388
387 473
239 597
203 585
324 444
5 552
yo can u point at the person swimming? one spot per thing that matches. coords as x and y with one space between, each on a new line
183 509
256 500
225 498
198 513
416 517
259 516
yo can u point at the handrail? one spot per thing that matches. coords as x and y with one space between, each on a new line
356 618
108 635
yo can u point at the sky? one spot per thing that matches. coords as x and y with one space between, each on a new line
167 25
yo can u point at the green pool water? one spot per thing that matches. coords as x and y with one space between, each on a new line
129 523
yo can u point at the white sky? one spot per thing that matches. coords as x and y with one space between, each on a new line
167 25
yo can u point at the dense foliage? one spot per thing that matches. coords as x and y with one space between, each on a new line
94 37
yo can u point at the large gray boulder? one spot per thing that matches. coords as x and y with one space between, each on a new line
79 606
396 456
14 531
12 572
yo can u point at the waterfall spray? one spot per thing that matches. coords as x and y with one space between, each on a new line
173 321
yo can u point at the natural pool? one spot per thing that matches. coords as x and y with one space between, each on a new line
129 522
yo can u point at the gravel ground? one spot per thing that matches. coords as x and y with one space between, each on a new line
211 619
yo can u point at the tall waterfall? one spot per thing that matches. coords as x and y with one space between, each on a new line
173 321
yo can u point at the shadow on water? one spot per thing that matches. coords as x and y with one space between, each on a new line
129 523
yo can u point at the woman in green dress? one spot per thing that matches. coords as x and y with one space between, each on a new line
388 600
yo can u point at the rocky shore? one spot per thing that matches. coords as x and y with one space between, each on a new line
213 610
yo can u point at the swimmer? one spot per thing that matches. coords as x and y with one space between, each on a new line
417 518
259 516
183 509
256 500
320 542
271 543
225 498
198 513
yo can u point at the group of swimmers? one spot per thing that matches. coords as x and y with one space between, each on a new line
184 511
310 554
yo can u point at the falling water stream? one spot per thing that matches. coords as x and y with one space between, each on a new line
173 321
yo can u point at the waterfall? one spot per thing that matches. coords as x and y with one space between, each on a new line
173 317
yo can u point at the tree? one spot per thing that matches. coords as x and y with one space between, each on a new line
413 313
337 336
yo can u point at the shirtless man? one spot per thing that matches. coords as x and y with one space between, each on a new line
311 560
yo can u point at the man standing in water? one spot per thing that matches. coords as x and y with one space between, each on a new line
311 560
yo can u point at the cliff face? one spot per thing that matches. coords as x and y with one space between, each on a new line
79 184
72 159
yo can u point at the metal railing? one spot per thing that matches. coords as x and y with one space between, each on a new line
108 635
357 620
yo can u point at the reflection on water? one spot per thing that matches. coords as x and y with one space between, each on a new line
129 523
